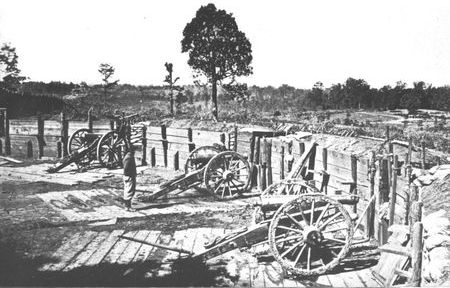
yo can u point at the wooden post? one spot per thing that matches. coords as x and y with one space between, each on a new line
7 136
191 144
416 254
252 149
165 144
416 213
311 163
64 133
29 149
282 163
264 163
388 138
153 156
258 163
1 147
383 196
370 225
176 161
291 157
59 149
235 138
222 138
2 123
325 168
302 148
144 146
353 187
414 193
90 120
423 155
40 136
409 162
269 163
393 196
407 206
389 166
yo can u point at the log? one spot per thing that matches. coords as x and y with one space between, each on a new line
11 159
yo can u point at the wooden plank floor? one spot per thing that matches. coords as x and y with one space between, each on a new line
92 248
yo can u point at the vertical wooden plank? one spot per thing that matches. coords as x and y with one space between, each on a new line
144 146
90 120
393 196
370 232
165 144
40 136
269 162
416 255
311 163
282 163
222 138
252 149
104 248
59 149
64 125
235 138
423 153
7 137
176 161
353 187
153 156
191 144
302 148
325 168
29 145
290 157
2 123
383 196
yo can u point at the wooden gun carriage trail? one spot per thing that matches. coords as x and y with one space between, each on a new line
303 186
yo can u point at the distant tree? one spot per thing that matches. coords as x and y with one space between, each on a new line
107 71
10 77
171 85
357 93
336 96
237 91
190 96
316 97
217 48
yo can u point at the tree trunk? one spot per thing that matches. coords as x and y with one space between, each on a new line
171 101
214 95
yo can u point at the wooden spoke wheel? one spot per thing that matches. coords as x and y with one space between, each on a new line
199 157
110 150
283 187
77 142
227 175
310 234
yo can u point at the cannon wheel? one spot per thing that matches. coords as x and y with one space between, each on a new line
110 150
283 187
309 235
190 166
227 175
77 140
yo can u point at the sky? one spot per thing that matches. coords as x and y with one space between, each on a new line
294 42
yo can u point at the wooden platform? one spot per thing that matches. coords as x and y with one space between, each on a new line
94 249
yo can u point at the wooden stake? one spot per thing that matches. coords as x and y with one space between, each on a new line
416 254
302 148
393 195
176 161
7 136
2 123
282 163
165 144
144 146
269 162
235 139
90 120
153 156
64 133
370 225
1 147
325 176
29 149
353 187
40 137
59 149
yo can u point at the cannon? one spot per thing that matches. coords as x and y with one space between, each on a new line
85 147
223 174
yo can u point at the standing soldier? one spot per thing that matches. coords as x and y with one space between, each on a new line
129 178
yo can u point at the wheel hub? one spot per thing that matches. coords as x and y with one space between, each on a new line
228 175
313 236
